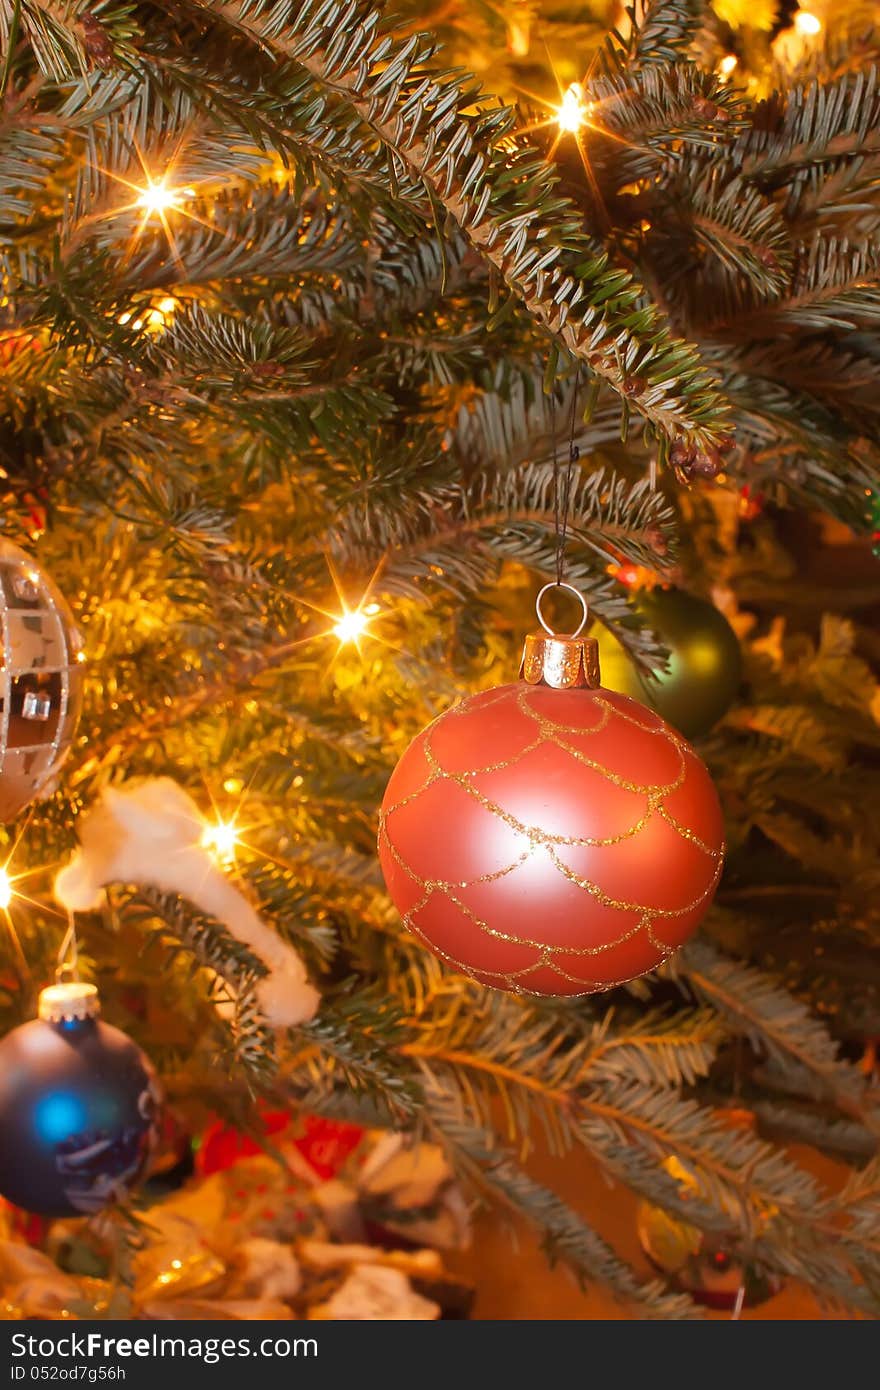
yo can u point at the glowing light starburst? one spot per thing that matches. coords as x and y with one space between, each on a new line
158 198
348 623
13 892
227 829
12 886
574 117
354 623
220 838
351 626
575 111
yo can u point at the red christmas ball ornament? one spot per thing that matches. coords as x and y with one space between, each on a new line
551 837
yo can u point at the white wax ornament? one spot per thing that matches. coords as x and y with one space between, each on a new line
150 833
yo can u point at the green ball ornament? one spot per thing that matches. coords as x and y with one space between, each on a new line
705 662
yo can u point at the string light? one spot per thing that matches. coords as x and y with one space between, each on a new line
349 624
279 173
727 64
352 625
220 840
5 889
807 24
794 46
157 197
518 38
155 317
161 314
574 112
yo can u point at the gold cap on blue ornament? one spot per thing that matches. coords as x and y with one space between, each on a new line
67 1001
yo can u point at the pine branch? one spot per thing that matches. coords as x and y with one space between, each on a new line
505 202
317 139
777 1025
213 949
515 422
658 1051
784 1121
735 1171
540 1068
834 287
36 143
265 233
837 198
58 48
660 112
352 1043
838 380
566 1236
661 30
812 124
740 229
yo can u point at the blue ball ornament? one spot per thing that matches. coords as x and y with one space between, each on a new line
79 1106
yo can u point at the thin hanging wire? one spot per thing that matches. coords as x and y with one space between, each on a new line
562 487
68 954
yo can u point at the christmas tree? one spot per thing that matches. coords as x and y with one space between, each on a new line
320 357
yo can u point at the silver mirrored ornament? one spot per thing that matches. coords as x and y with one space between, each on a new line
41 680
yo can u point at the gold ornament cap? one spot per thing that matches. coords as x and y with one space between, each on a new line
70 1000
562 660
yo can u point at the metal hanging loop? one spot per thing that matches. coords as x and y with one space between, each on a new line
70 1000
67 968
556 584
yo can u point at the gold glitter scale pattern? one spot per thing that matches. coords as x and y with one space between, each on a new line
586 870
